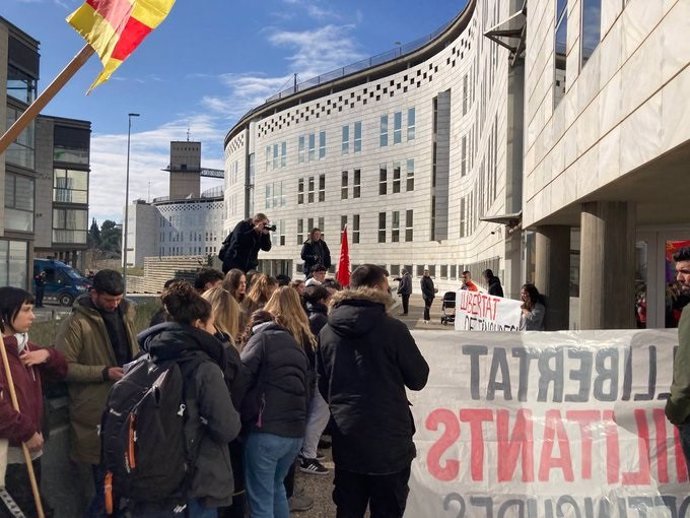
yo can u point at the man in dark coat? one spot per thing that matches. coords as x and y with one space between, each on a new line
405 290
365 360
428 294
241 248
494 283
315 251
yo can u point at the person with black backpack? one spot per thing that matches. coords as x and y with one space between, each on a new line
168 422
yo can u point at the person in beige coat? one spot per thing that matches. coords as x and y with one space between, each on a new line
97 339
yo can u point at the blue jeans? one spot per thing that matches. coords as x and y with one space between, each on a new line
267 460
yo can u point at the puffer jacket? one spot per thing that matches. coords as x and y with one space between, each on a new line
276 401
83 340
365 360
220 422
20 426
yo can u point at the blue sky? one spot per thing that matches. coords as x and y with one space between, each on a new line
207 64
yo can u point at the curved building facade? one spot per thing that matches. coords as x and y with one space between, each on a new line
410 154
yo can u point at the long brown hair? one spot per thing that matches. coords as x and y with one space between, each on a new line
286 307
261 290
232 283
226 311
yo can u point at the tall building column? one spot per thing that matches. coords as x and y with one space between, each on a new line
552 275
607 265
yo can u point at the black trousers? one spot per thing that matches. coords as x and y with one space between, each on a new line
18 486
386 495
427 307
405 303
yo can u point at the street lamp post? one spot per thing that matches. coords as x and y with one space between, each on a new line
126 225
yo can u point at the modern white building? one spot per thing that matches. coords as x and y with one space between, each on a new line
542 141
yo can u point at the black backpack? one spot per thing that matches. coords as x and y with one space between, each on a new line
149 433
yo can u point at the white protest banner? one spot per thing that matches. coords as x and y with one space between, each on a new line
547 425
479 311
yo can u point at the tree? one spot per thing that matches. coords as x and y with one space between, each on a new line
111 237
94 237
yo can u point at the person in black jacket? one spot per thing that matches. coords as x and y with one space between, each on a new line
428 294
494 283
244 242
405 290
365 360
315 251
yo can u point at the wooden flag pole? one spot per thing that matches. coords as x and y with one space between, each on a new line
25 449
35 107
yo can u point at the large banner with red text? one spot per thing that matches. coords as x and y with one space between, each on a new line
547 425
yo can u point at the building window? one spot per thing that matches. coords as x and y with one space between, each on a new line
343 185
591 29
21 151
395 227
356 183
300 231
19 203
21 86
358 137
409 225
69 226
561 47
464 94
382 227
410 174
444 271
300 149
310 191
396 177
275 156
411 123
283 196
300 191
267 205
312 146
355 229
453 271
346 140
383 180
281 232
13 263
322 226
383 133
462 217
397 127
463 157
268 157
322 144
283 154
343 222
70 186
322 187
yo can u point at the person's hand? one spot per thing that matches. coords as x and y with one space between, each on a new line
31 358
35 443
115 373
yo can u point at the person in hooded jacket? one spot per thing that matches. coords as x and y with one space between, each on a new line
494 283
365 360
29 365
274 410
314 252
189 336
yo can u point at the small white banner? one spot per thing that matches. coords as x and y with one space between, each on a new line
479 311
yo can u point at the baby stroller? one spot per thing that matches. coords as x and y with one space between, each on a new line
448 308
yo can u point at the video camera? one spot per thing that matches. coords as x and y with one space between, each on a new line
268 226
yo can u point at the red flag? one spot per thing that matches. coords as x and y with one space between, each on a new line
342 275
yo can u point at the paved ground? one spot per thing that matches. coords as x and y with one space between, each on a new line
320 487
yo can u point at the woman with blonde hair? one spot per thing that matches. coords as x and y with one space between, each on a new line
286 307
261 289
226 311
236 283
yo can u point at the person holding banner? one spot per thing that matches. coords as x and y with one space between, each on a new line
365 360
678 405
25 366
533 309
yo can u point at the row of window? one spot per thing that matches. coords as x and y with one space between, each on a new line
275 196
311 152
397 127
310 193
174 236
396 180
172 251
396 226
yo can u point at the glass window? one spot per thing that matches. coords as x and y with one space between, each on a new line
275 156
397 127
396 177
410 174
70 186
356 183
409 225
70 226
21 151
346 140
310 192
463 157
268 157
395 226
382 227
383 134
343 185
358 137
322 187
561 45
411 122
464 94
462 217
355 229
300 231
383 180
312 146
300 191
268 197
14 263
322 144
343 222
19 203
591 28
72 155
300 149
20 85
283 154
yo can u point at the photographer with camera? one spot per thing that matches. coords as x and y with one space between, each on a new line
241 248
315 251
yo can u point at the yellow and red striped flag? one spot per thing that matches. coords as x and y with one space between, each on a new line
114 28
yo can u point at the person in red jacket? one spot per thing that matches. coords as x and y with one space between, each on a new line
29 366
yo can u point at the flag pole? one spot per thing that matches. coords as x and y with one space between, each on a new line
40 102
25 449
